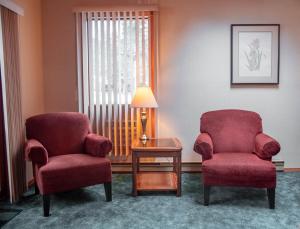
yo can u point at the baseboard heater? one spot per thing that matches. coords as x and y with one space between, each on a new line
189 167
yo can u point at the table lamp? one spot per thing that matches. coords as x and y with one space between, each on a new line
144 98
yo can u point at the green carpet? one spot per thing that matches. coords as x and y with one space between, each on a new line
7 214
230 207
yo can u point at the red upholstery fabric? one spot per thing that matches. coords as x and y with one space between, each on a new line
239 169
35 152
67 172
60 133
97 145
57 147
232 130
204 146
266 147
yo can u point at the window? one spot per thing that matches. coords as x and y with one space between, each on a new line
125 56
115 54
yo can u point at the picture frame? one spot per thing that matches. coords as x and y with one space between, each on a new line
255 52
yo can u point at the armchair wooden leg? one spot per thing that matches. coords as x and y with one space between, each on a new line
206 190
108 191
271 197
46 205
36 189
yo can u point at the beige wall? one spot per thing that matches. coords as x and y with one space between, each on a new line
60 51
32 80
194 66
195 69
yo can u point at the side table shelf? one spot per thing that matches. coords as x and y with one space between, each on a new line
159 181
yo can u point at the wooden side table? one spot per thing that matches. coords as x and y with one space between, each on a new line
156 181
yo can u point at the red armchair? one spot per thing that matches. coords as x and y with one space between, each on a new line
235 152
66 155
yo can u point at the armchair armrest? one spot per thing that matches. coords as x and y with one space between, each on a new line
36 152
97 145
265 146
204 146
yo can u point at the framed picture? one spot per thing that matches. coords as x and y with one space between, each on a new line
255 53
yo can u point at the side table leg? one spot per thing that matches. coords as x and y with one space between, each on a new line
174 164
134 173
179 175
138 164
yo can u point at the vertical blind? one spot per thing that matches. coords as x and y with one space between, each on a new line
114 50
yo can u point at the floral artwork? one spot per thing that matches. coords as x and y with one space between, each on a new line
254 54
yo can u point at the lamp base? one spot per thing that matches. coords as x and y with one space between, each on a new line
144 137
144 124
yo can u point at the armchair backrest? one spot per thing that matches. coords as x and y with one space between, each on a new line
60 133
231 130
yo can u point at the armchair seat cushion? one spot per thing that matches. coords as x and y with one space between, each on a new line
71 171
239 169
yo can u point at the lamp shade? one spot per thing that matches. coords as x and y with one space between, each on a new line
144 98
